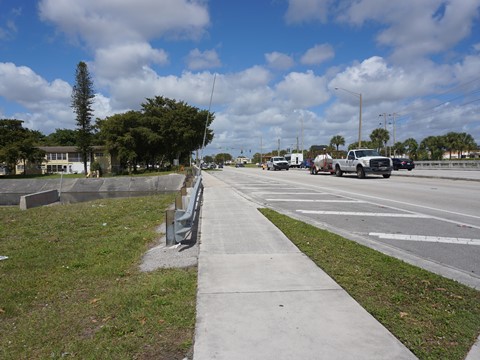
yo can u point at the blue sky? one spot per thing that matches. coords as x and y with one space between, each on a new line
276 65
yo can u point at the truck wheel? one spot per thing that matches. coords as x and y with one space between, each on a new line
360 173
338 171
386 176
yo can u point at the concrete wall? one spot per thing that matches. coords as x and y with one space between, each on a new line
38 199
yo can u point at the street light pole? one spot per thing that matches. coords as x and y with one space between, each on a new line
359 115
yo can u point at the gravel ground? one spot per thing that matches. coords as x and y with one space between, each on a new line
181 255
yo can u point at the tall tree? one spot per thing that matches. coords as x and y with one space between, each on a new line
398 148
62 137
434 145
180 125
18 144
121 134
452 142
380 138
466 142
82 100
337 140
223 157
411 148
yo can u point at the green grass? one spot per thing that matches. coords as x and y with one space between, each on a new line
436 318
71 285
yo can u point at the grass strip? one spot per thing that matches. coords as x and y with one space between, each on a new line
435 317
71 285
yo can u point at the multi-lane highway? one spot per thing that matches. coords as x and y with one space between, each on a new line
431 222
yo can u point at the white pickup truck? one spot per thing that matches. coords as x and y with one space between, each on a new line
363 162
277 163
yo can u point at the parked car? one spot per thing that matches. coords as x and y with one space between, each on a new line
403 163
238 165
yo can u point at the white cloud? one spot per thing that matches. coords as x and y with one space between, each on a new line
303 89
300 11
318 54
22 85
126 60
106 22
416 28
279 61
197 60
379 82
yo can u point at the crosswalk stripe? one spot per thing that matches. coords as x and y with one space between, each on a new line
317 200
357 213
437 239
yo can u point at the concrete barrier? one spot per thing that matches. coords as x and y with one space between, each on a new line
38 199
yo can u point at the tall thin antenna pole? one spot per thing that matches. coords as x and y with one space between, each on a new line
208 116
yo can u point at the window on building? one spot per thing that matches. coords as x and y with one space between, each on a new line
75 157
56 156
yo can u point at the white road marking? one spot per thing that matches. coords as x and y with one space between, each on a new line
355 213
288 193
317 200
437 239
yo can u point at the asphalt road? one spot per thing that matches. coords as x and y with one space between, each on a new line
428 218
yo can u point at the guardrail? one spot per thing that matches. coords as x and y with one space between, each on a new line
180 221
449 164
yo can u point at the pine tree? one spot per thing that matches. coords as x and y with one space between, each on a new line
82 100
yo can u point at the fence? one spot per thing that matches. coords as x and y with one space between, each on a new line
180 221
449 164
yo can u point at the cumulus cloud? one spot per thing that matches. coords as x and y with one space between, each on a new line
126 60
47 103
410 28
22 85
197 60
303 89
376 80
279 61
416 28
318 54
107 22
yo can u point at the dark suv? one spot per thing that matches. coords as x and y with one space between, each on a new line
403 163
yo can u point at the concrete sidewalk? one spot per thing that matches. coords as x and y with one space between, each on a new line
259 297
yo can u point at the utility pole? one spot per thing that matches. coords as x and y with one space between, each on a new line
394 135
393 117
261 151
278 148
385 126
302 136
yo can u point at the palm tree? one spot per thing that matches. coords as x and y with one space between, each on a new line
380 138
337 140
411 148
452 142
435 145
465 142
399 148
